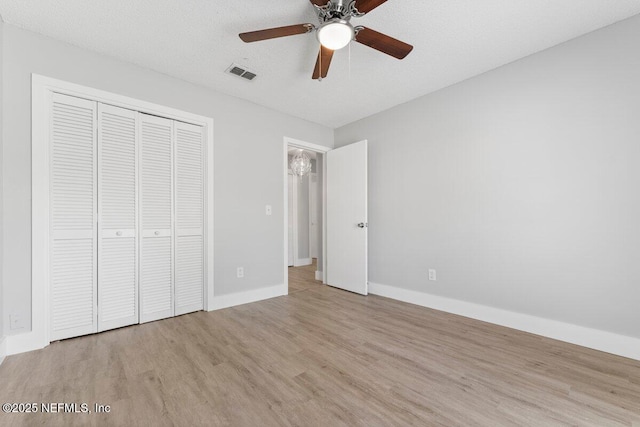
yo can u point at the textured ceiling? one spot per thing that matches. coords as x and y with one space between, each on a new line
196 40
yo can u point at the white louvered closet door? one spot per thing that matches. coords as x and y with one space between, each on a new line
189 214
156 207
117 237
73 207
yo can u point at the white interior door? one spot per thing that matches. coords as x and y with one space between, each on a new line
117 205
347 218
73 210
156 208
189 214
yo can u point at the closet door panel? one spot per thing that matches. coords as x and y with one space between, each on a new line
189 183
156 206
189 274
117 277
73 210
156 275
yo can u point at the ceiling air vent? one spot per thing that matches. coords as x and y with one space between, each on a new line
240 71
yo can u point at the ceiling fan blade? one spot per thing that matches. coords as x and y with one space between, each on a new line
322 63
383 43
366 6
319 2
272 33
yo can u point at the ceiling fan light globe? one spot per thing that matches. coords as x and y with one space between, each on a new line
335 35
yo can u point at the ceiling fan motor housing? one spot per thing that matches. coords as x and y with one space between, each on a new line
337 9
340 7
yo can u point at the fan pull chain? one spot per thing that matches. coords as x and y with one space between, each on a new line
320 65
320 62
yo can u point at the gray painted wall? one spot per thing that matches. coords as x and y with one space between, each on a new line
320 175
302 187
520 186
303 194
243 133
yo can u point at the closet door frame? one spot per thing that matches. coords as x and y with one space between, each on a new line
42 89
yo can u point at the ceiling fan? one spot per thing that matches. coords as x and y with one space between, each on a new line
335 31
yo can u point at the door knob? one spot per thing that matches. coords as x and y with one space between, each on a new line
362 225
157 233
118 233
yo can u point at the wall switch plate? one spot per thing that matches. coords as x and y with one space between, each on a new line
268 209
432 274
240 272
15 321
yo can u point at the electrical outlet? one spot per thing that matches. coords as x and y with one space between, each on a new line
15 321
432 274
240 272
268 209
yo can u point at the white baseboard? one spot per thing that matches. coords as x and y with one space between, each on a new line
239 298
3 349
609 342
319 275
29 341
301 262
22 343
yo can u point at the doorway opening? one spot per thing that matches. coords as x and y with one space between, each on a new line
305 212
342 258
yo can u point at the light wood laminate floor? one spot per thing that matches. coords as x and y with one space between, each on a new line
324 357
303 278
